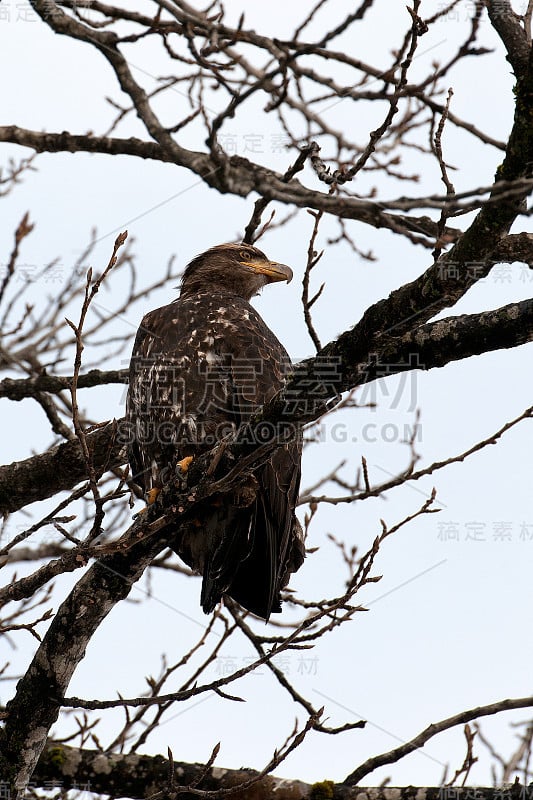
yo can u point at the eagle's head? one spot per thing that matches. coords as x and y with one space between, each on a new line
236 268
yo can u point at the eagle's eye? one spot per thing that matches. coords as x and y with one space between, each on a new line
246 255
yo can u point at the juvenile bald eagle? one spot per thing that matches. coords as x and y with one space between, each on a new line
200 367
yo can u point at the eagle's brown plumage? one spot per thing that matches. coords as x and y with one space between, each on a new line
200 367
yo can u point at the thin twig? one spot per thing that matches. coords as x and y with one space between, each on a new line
91 289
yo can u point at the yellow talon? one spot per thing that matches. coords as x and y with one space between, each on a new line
185 463
151 496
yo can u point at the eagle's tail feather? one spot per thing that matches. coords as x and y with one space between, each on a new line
245 564
221 564
255 583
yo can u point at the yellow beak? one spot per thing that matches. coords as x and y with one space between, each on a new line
275 271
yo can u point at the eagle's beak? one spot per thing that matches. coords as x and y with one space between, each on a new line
275 271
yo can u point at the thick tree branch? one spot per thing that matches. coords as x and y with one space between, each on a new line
361 355
65 142
130 775
456 338
240 177
18 389
56 470
101 773
515 247
355 358
507 24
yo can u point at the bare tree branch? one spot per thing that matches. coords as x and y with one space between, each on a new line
432 730
18 389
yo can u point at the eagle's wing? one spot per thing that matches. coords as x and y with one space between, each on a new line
252 560
167 391
276 544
